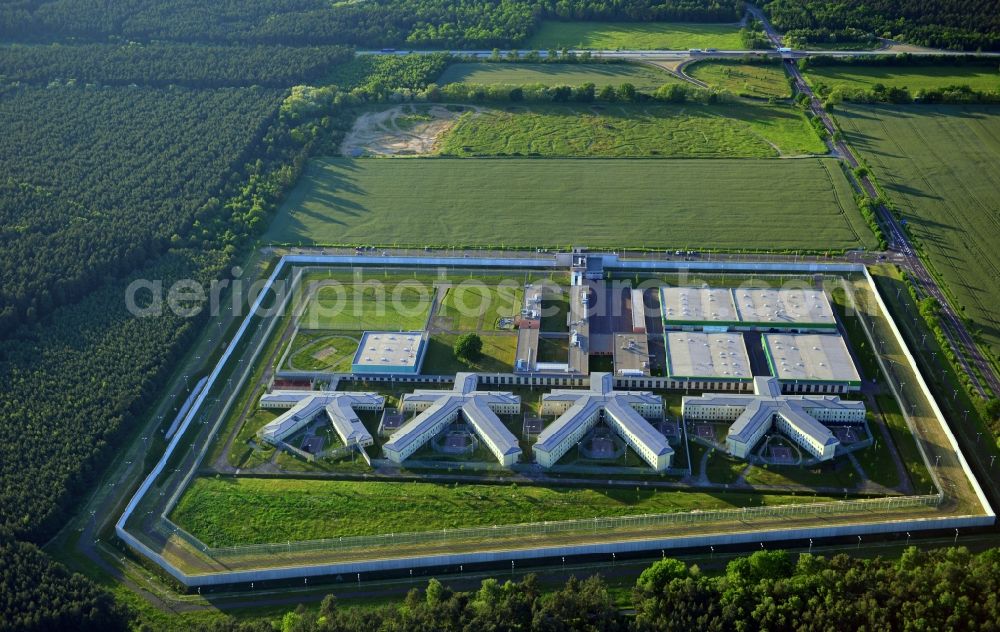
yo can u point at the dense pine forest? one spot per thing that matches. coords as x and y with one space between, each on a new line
422 23
958 24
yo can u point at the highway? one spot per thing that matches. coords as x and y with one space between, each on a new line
673 55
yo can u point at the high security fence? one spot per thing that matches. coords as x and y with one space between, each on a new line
604 526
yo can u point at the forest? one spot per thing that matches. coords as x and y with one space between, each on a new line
97 181
165 64
953 24
418 23
767 590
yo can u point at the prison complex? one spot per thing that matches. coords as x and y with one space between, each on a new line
580 410
304 406
800 417
438 408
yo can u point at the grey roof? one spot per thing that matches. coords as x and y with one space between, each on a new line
806 357
788 306
644 432
768 401
555 433
446 406
346 422
601 396
698 305
305 405
692 354
441 411
489 427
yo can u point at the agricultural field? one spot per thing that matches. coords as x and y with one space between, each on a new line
984 78
667 131
401 306
565 202
762 81
634 36
644 78
226 512
940 166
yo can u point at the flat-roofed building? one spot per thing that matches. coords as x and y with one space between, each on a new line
437 409
800 417
638 307
746 309
390 353
304 406
801 309
624 411
707 361
811 363
631 355
693 308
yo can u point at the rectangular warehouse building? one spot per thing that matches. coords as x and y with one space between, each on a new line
695 308
746 309
797 309
703 361
390 353
811 363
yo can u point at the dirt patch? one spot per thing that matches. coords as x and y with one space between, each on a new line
405 130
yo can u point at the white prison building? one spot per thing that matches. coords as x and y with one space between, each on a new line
623 411
303 406
437 409
799 417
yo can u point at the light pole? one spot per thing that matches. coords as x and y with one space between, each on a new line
956 537
810 545
907 538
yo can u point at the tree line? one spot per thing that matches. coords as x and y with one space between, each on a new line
767 590
952 24
165 64
419 23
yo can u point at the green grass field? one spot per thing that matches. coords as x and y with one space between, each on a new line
978 77
940 165
734 204
668 131
752 80
403 306
225 512
498 355
644 78
476 307
634 35
326 351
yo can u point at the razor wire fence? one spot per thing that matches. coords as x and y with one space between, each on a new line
605 526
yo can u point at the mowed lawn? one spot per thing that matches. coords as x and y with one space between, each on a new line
733 204
227 512
752 80
644 78
941 167
634 35
403 306
984 77
497 356
474 306
669 131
